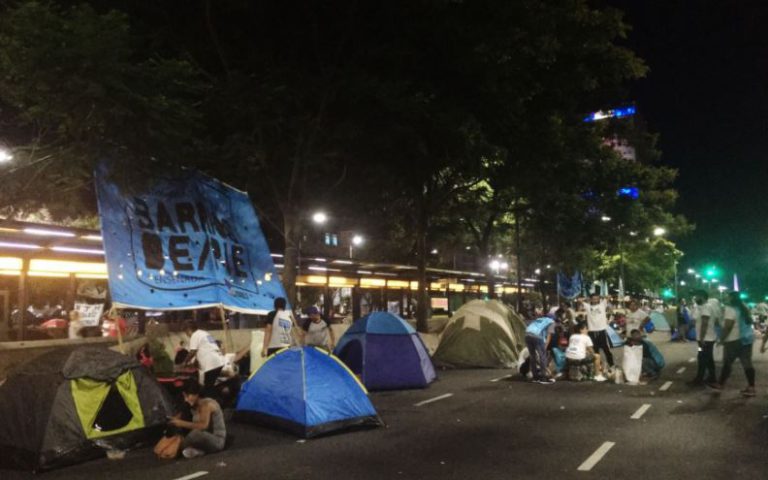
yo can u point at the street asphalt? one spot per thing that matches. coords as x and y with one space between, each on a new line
504 428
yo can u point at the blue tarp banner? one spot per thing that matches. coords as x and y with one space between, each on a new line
188 241
569 287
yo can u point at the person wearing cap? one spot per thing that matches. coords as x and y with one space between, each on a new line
316 331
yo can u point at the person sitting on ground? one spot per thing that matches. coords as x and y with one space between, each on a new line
653 360
208 432
581 352
317 332
538 334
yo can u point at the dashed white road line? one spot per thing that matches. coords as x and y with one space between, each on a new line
680 370
665 387
435 399
192 475
501 378
692 360
596 457
640 411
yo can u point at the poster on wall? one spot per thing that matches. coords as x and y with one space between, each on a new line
90 313
187 241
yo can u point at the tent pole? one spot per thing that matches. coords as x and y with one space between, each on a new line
227 336
113 315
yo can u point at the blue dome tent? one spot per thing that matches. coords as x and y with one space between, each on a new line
307 392
386 352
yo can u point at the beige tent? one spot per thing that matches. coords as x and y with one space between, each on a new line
482 333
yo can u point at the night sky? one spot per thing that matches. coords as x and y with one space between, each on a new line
706 95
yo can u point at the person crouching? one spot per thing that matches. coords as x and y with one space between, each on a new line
207 430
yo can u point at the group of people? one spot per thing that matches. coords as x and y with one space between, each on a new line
200 418
579 337
582 333
729 325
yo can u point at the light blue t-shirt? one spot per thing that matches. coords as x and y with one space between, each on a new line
540 327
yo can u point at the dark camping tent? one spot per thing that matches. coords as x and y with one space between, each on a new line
66 406
386 352
307 392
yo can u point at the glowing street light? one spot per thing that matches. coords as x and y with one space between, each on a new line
691 271
682 283
5 156
605 218
319 218
659 231
357 240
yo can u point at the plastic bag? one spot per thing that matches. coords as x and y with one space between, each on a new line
168 447
633 363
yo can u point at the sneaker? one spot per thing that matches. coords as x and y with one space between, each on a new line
559 375
546 381
191 452
715 386
749 392
600 378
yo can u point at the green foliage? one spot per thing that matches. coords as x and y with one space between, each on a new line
76 87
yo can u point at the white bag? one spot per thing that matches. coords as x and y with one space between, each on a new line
633 363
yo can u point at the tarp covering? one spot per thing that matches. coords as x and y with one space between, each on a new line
482 334
50 420
187 241
386 352
307 392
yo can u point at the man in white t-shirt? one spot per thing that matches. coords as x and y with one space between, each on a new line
278 333
597 322
204 349
706 315
580 351
637 318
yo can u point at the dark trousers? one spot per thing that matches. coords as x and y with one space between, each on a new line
209 382
600 341
706 359
735 350
539 359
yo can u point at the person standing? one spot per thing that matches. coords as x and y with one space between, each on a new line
278 331
204 349
637 318
538 334
737 339
705 316
317 331
597 321
208 432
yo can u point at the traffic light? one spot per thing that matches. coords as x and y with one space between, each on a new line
711 272
667 293
743 295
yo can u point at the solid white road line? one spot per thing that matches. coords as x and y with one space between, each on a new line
640 411
680 370
596 457
501 378
192 475
665 387
692 359
441 397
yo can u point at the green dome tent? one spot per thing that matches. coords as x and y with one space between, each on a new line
482 333
66 406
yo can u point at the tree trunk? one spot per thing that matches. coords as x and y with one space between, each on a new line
291 236
422 324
